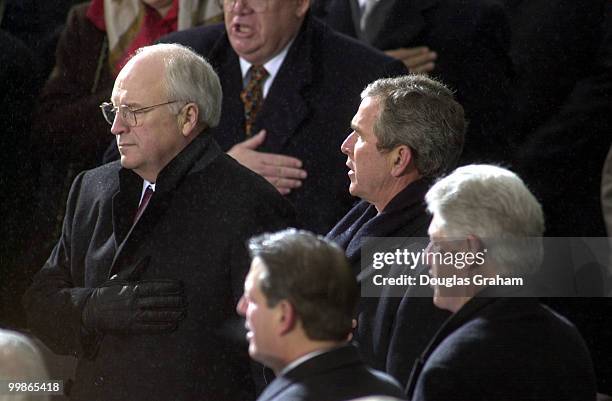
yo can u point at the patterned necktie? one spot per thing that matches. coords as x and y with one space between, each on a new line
252 96
144 202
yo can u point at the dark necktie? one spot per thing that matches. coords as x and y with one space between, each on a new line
144 202
252 96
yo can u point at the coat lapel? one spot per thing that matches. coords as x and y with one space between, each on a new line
285 106
125 203
230 130
129 258
455 321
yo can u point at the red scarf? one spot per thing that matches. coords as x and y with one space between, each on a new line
153 27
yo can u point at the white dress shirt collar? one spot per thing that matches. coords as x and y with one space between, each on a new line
145 184
272 66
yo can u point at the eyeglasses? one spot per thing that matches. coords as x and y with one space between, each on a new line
109 111
258 6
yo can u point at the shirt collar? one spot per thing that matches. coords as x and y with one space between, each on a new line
272 65
145 184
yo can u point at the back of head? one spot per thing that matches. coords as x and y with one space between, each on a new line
313 274
20 360
188 78
421 113
495 205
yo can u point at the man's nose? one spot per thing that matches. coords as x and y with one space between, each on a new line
241 306
348 144
239 6
119 126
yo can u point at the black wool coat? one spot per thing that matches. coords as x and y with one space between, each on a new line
194 230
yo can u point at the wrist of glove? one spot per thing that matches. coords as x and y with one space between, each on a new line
144 307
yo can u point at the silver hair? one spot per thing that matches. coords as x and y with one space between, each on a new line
189 78
495 205
20 360
421 113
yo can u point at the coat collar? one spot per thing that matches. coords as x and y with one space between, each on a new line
195 157
334 359
471 310
404 216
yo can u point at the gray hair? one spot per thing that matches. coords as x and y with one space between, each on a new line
20 360
190 78
313 274
495 205
422 113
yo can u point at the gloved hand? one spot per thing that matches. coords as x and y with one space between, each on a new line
120 307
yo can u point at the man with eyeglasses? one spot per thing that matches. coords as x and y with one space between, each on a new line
137 288
290 87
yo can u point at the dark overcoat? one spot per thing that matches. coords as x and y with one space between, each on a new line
392 329
335 375
504 349
194 230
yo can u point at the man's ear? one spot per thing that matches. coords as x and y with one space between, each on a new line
188 118
401 159
474 244
302 8
287 317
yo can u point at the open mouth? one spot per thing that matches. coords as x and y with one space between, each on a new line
242 30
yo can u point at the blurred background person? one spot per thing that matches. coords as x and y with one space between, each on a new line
18 89
463 43
20 361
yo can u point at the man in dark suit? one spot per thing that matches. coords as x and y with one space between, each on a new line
286 120
407 131
464 43
562 109
498 344
299 298
135 288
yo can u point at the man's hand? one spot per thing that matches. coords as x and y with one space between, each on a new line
416 59
119 307
284 172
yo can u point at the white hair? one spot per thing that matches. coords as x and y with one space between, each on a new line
20 360
495 205
189 78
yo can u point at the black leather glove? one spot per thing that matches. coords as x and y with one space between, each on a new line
120 307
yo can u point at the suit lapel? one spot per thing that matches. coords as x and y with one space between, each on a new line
125 203
231 127
285 106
